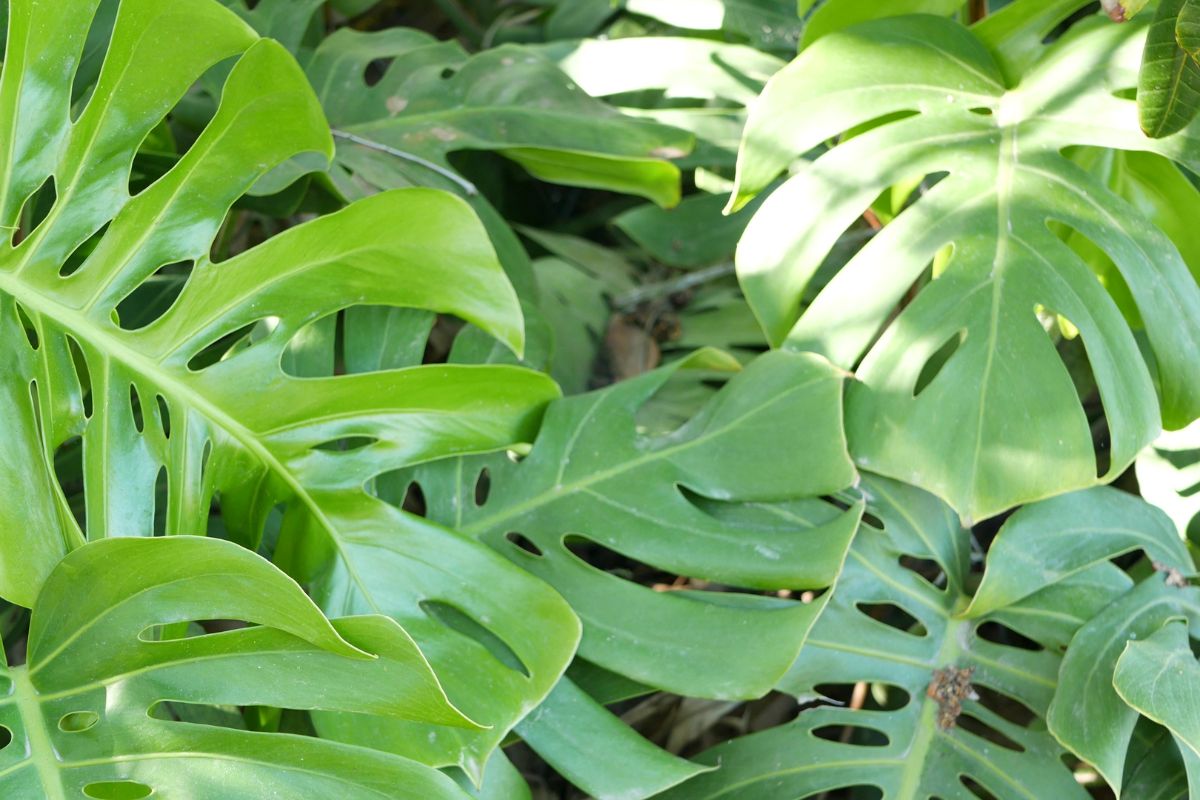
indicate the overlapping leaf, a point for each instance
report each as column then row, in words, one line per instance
column 434, row 100
column 940, row 102
column 242, row 430
column 91, row 712
column 901, row 629
column 701, row 502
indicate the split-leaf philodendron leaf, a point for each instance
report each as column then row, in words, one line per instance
column 228, row 422
column 952, row 700
column 1001, row 422
column 94, row 706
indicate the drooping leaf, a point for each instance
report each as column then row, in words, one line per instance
column 1159, row 677
column 956, row 704
column 569, row 728
column 970, row 433
column 91, row 707
column 1088, row 715
column 1168, row 91
column 1044, row 543
column 228, row 422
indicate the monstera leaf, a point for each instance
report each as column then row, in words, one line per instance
column 961, row 702
column 698, row 502
column 96, row 709
column 988, row 111
column 434, row 100
column 228, row 422
column 1158, row 677
column 697, row 85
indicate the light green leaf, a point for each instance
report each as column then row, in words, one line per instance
column 434, row 100
column 701, row 502
column 697, row 85
column 226, row 421
column 968, row 434
column 569, row 728
column 890, row 626
column 86, row 709
column 1169, row 84
column 1087, row 714
column 835, row 15
column 1159, row 677
column 1043, row 543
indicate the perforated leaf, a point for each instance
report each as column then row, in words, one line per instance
column 93, row 708
column 940, row 104
column 961, row 701
column 229, row 421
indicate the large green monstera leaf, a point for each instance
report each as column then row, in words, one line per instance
column 101, row 707
column 434, row 100
column 988, row 111
column 197, row 402
column 699, row 502
column 963, row 688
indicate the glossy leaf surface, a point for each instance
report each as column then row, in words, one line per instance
column 940, row 104
column 93, row 705
column 896, row 629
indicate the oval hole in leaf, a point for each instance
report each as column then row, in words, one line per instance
column 981, row 729
column 940, row 358
column 80, row 254
column 1002, row 634
column 859, row 735
column 976, row 789
column 117, row 790
column 894, row 616
column 173, row 631
column 1004, row 706
column 523, row 542
column 882, row 696
column 78, row 721
column 483, row 487
column 153, row 296
column 164, row 415
column 928, row 570
column 34, row 210
column 347, row 443
column 375, row 70
column 6, row 737
column 27, row 324
column 455, row 619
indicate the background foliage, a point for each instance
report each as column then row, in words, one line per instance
column 599, row 398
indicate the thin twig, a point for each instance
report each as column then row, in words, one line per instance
column 458, row 180
column 636, row 296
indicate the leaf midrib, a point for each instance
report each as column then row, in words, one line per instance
column 559, row 490
column 112, row 347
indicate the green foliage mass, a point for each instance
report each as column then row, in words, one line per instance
column 626, row 399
